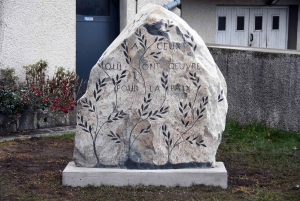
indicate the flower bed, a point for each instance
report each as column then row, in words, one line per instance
column 40, row 101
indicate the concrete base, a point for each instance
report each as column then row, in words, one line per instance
column 80, row 176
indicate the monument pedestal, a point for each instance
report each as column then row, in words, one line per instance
column 81, row 176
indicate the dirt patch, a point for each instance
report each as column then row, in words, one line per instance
column 33, row 165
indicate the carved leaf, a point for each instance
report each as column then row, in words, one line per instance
column 123, row 46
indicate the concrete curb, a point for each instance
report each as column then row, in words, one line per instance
column 56, row 131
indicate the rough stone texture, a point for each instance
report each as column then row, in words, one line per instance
column 79, row 176
column 128, row 9
column 155, row 99
column 31, row 30
column 263, row 87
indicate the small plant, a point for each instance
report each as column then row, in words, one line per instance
column 58, row 93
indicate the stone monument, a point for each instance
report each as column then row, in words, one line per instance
column 156, row 101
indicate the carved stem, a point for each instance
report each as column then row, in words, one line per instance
column 140, row 65
column 164, row 99
column 192, row 109
column 176, row 143
column 131, row 135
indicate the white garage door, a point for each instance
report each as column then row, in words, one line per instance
column 256, row 27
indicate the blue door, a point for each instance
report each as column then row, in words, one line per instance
column 97, row 25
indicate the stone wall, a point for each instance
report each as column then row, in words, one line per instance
column 263, row 86
column 31, row 119
column 31, row 30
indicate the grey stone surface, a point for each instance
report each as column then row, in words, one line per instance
column 155, row 99
column 263, row 85
column 80, row 176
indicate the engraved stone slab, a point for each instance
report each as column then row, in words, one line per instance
column 155, row 99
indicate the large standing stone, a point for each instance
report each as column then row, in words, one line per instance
column 155, row 99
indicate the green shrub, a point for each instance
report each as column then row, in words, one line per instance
column 14, row 97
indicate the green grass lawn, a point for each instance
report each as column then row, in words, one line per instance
column 262, row 164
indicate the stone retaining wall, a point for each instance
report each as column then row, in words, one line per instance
column 263, row 86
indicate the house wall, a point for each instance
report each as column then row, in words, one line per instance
column 130, row 7
column 268, row 92
column 201, row 15
column 31, row 30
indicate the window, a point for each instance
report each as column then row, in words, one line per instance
column 275, row 24
column 258, row 22
column 93, row 7
column 240, row 23
column 222, row 24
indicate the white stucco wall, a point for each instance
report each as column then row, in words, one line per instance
column 133, row 6
column 201, row 15
column 31, row 30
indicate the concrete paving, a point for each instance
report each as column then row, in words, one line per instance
column 56, row 131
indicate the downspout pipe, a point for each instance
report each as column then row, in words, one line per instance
column 172, row 5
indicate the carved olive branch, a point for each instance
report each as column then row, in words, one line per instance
column 152, row 115
column 196, row 80
column 200, row 111
column 164, row 84
column 115, row 137
column 117, row 81
column 142, row 57
column 220, row 97
column 128, row 59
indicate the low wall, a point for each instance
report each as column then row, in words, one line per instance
column 263, row 85
column 31, row 119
